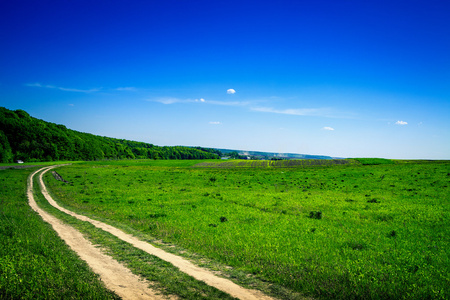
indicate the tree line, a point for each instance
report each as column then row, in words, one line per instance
column 29, row 139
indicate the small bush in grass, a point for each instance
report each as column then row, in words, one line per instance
column 357, row 245
column 393, row 233
column 315, row 215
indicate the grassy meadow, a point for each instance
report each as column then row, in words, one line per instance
column 34, row 262
column 363, row 229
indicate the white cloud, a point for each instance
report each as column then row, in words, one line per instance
column 127, row 89
column 328, row 128
column 172, row 100
column 325, row 112
column 48, row 86
column 214, row 123
column 33, row 84
column 76, row 90
column 401, row 123
column 291, row 111
column 71, row 104
column 231, row 91
column 226, row 103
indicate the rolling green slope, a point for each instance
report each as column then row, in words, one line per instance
column 25, row 138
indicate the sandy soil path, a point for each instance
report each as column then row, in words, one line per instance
column 184, row 265
column 115, row 276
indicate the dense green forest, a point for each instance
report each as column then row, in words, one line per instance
column 25, row 138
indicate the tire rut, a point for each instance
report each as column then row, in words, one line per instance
column 184, row 265
column 115, row 276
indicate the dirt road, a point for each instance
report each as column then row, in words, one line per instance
column 115, row 276
column 184, row 265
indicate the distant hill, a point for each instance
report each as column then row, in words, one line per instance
column 271, row 155
column 25, row 138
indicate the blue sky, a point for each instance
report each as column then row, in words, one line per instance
column 338, row 78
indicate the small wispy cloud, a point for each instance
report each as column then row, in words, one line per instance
column 126, row 89
column 291, row 111
column 71, row 104
column 48, row 86
column 214, row 123
column 231, row 91
column 172, row 100
column 325, row 112
column 401, row 123
column 229, row 103
column 251, row 105
column 168, row 100
column 34, row 84
column 328, row 128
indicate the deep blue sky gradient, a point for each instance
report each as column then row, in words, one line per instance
column 340, row 78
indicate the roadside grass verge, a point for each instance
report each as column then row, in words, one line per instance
column 34, row 262
column 336, row 232
column 164, row 277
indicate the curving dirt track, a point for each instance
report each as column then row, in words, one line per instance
column 184, row 265
column 115, row 276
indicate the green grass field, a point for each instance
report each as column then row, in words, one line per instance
column 34, row 262
column 359, row 230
